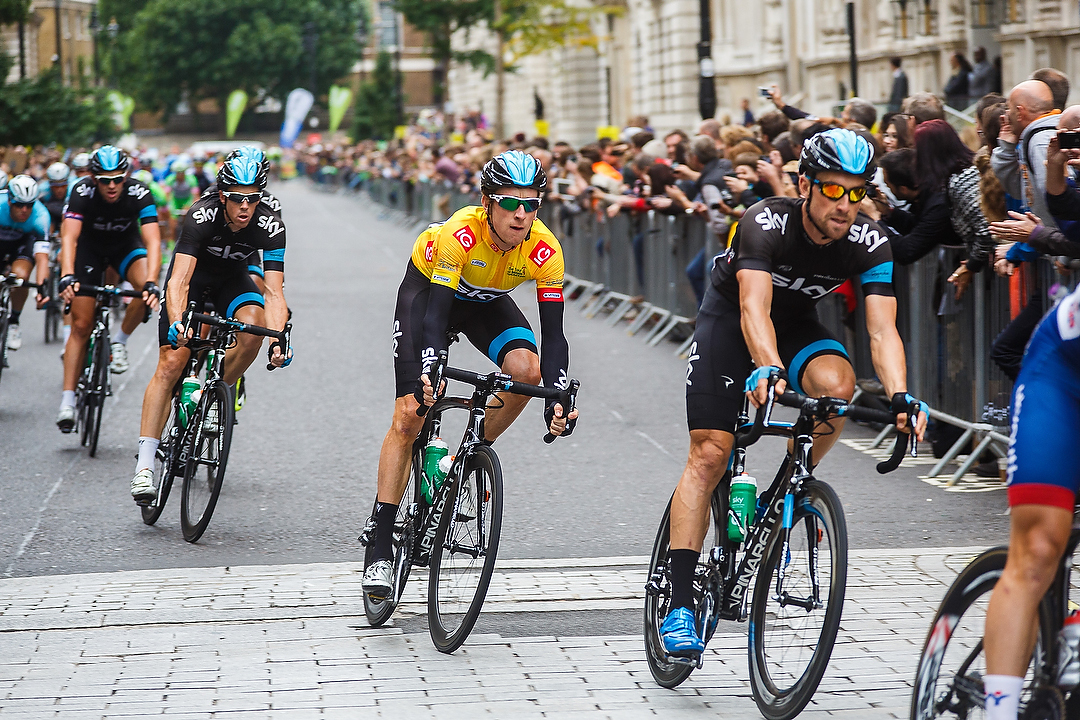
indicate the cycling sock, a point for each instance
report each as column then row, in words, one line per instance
column 682, row 564
column 1002, row 696
column 13, row 319
column 147, row 449
column 385, row 515
column 67, row 398
column 121, row 337
column 67, row 333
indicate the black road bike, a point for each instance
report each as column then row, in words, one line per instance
column 949, row 679
column 196, row 445
column 8, row 283
column 93, row 385
column 54, row 307
column 796, row 546
column 456, row 536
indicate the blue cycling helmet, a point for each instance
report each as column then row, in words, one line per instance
column 250, row 151
column 512, row 168
column 109, row 159
column 239, row 169
column 838, row 150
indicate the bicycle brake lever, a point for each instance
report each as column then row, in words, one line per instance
column 568, row 399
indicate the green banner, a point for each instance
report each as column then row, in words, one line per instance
column 340, row 97
column 234, row 108
column 122, row 106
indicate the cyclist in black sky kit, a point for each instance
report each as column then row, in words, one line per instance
column 758, row 317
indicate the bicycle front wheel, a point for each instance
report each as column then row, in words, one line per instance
column 208, row 452
column 949, row 678
column 99, row 390
column 166, row 465
column 463, row 555
column 798, row 599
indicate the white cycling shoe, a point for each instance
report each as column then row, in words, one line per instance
column 378, row 580
column 14, row 337
column 66, row 419
column 119, row 362
column 142, row 487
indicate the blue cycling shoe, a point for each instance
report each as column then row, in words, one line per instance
column 679, row 634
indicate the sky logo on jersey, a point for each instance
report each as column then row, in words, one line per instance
column 549, row 295
column 799, row 285
column 138, row 191
column 466, row 238
column 865, row 235
column 203, row 215
column 769, row 220
column 228, row 253
column 85, row 190
column 272, row 226
column 541, row 253
column 429, row 251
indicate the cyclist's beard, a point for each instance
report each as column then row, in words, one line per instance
column 817, row 226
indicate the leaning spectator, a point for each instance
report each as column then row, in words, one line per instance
column 747, row 187
column 711, row 127
column 894, row 133
column 1057, row 81
column 772, row 124
column 927, row 224
column 1019, row 161
column 860, row 111
column 923, row 106
column 792, row 112
column 732, row 135
column 713, row 194
column 993, row 199
column 957, row 89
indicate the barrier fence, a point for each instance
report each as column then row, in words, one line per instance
column 947, row 341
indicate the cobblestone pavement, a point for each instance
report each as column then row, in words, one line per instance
column 291, row 641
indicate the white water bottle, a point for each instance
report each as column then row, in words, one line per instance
column 1069, row 652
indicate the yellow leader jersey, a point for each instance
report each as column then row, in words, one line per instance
column 460, row 254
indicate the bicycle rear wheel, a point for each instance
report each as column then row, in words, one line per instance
column 379, row 611
column 98, row 391
column 463, row 555
column 208, row 452
column 793, row 627
column 658, row 593
column 166, row 465
column 949, row 678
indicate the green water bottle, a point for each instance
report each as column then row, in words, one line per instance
column 431, row 479
column 741, row 504
column 190, row 392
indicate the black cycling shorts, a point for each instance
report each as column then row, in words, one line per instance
column 720, row 363
column 494, row 328
column 94, row 255
column 228, row 293
column 16, row 250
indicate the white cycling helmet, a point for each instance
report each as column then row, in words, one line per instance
column 180, row 165
column 81, row 161
column 3, row 181
column 23, row 189
column 58, row 172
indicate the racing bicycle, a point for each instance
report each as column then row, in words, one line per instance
column 949, row 678
column 195, row 445
column 93, row 385
column 456, row 535
column 796, row 547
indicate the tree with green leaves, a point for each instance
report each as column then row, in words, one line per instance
column 43, row 110
column 375, row 113
column 169, row 51
column 439, row 20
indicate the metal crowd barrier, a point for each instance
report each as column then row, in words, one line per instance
column 947, row 342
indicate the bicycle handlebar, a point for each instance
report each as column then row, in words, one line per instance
column 282, row 336
column 499, row 381
column 824, row 407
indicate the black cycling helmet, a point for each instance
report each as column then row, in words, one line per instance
column 109, row 159
column 512, row 168
column 240, row 169
column 838, row 150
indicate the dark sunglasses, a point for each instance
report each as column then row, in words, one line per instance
column 512, row 203
column 110, row 179
column 241, row 198
column 835, row 191
column 21, row 204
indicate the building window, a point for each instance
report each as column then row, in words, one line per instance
column 903, row 19
column 388, row 27
column 926, row 18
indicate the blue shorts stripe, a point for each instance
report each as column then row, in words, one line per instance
column 804, row 355
column 126, row 262
column 500, row 341
column 256, row 270
column 244, row 299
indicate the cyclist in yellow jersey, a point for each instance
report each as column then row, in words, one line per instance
column 459, row 278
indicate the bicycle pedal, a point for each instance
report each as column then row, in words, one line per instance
column 693, row 661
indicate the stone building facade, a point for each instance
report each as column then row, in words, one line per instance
column 73, row 46
column 646, row 61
